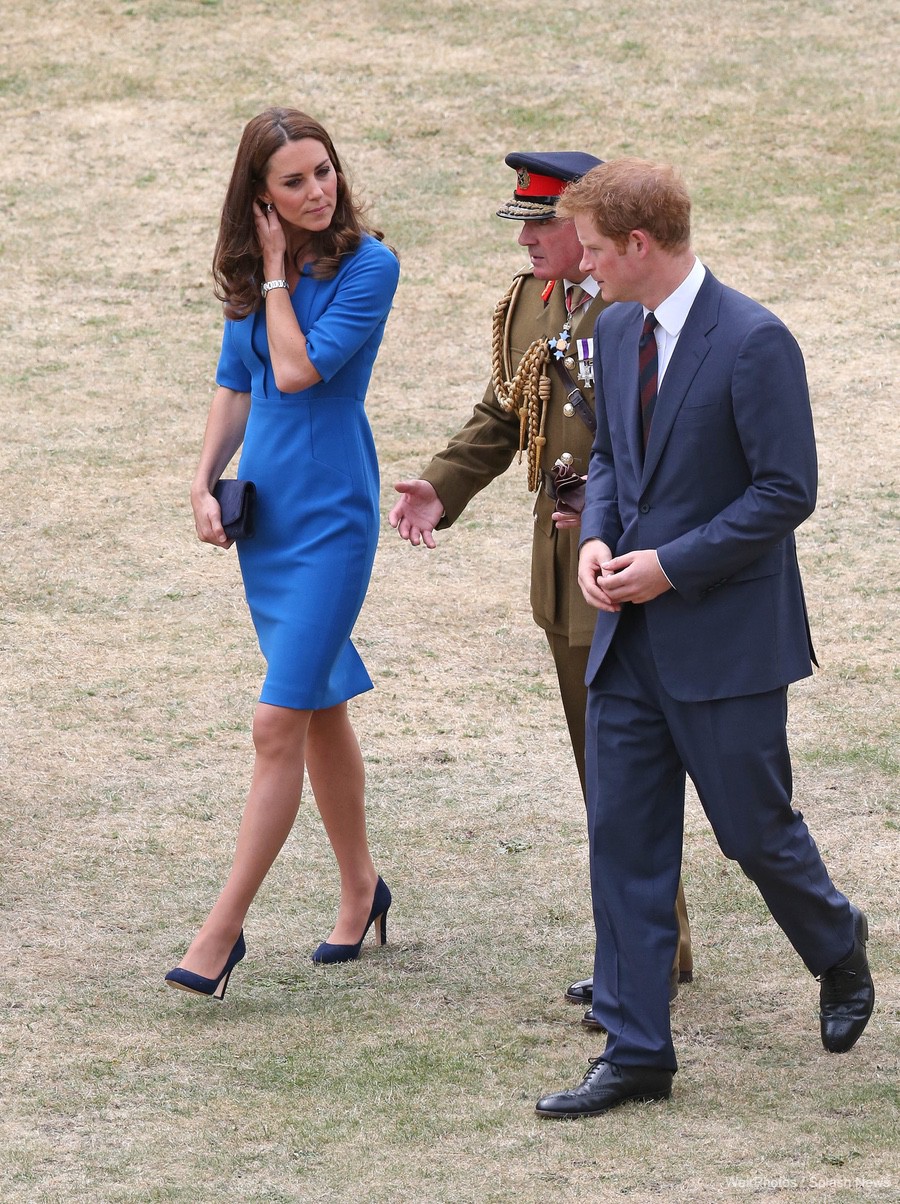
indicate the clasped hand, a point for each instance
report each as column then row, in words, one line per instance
column 607, row 581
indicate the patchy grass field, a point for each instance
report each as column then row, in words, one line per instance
column 130, row 669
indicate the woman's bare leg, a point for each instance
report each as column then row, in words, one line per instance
column 280, row 737
column 337, row 776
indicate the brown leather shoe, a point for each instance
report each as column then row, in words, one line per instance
column 605, row 1086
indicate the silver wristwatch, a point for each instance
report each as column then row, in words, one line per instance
column 270, row 284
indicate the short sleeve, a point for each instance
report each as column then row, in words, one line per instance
column 232, row 372
column 362, row 300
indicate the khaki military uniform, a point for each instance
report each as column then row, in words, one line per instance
column 485, row 447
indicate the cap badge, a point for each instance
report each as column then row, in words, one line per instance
column 523, row 179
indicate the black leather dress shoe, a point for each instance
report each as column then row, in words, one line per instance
column 589, row 1020
column 605, row 1086
column 847, row 994
column 581, row 992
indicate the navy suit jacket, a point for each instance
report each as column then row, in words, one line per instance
column 729, row 473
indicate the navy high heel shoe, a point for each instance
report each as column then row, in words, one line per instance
column 185, row 980
column 328, row 954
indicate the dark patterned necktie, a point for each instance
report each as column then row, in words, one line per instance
column 575, row 298
column 648, row 371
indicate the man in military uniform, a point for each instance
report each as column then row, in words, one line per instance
column 539, row 402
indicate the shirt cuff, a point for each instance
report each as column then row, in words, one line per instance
column 662, row 570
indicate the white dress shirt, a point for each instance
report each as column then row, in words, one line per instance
column 671, row 316
column 589, row 284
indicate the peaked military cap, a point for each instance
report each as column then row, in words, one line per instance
column 540, row 178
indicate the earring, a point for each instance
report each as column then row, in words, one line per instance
column 269, row 207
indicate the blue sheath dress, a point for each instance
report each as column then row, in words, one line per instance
column 312, row 458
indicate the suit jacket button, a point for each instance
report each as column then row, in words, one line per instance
column 645, row 509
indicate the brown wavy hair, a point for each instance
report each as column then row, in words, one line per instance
column 628, row 194
column 237, row 259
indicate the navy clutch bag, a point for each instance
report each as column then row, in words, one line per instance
column 237, row 501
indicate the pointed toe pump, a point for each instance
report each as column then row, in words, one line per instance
column 329, row 954
column 185, row 980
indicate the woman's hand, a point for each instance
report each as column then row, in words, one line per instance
column 272, row 242
column 225, row 426
column 208, row 519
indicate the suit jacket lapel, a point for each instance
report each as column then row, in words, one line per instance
column 690, row 351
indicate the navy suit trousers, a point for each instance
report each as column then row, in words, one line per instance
column 640, row 743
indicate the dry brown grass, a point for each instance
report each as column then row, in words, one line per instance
column 131, row 673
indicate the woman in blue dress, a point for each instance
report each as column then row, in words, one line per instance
column 307, row 287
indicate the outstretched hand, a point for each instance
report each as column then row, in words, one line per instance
column 416, row 514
